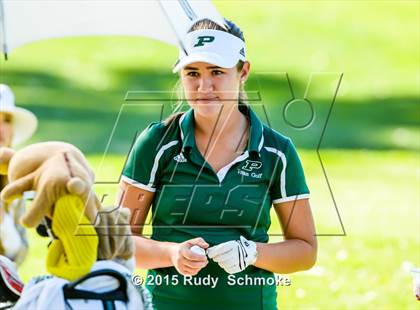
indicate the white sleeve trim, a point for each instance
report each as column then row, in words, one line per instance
column 137, row 184
column 291, row 198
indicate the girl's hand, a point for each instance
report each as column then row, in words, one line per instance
column 186, row 261
column 234, row 256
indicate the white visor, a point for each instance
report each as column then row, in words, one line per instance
column 216, row 47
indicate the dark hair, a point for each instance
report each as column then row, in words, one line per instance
column 233, row 29
column 209, row 24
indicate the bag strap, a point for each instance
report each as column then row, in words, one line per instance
column 119, row 294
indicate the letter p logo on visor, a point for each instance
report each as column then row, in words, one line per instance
column 215, row 47
column 203, row 40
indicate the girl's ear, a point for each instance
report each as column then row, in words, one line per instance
column 245, row 71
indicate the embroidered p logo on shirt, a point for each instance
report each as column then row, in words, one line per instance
column 252, row 165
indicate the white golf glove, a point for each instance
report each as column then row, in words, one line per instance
column 234, row 256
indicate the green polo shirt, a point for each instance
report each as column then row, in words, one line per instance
column 192, row 200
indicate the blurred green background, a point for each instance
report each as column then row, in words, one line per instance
column 370, row 150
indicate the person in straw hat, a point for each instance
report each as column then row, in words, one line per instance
column 17, row 125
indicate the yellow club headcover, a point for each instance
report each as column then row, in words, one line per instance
column 3, row 169
column 75, row 250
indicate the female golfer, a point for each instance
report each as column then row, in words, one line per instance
column 16, row 126
column 211, row 175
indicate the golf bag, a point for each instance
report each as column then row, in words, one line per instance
column 10, row 284
column 108, row 286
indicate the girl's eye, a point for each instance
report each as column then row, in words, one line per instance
column 217, row 72
column 192, row 73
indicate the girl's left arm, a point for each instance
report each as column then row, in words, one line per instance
column 298, row 251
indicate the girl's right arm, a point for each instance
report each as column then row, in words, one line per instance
column 152, row 254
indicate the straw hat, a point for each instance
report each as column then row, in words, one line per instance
column 24, row 121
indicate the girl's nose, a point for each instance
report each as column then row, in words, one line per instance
column 205, row 85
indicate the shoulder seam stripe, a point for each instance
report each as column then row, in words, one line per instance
column 180, row 127
column 262, row 139
column 283, row 171
column 157, row 158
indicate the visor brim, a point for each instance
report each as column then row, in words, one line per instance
column 210, row 58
